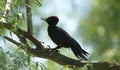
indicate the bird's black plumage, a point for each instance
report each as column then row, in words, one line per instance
column 63, row 39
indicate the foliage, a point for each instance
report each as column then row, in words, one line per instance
column 101, row 30
column 18, row 61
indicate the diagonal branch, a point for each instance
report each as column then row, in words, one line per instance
column 11, row 40
column 29, row 17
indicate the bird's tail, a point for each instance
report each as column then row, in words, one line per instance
column 79, row 52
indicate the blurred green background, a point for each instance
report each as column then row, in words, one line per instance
column 95, row 24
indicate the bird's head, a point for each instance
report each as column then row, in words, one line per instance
column 52, row 20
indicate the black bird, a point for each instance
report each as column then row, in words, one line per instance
column 63, row 39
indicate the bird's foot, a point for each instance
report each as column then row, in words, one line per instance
column 48, row 47
column 52, row 49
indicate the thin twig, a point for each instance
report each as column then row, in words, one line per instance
column 17, row 43
column 29, row 17
column 11, row 40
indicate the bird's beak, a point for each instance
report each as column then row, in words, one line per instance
column 43, row 19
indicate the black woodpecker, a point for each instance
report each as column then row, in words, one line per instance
column 62, row 39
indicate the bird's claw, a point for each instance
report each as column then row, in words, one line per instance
column 48, row 47
column 52, row 49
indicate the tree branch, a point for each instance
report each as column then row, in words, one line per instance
column 11, row 40
column 29, row 17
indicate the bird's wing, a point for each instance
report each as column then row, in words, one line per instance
column 59, row 36
column 64, row 35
